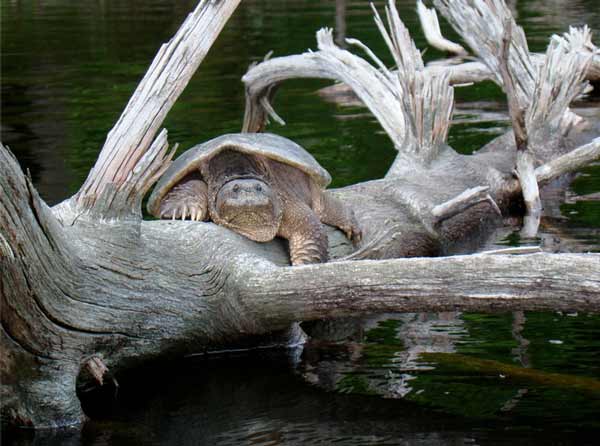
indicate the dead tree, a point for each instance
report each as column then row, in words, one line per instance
column 89, row 286
column 461, row 72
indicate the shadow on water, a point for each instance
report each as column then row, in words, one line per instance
column 68, row 69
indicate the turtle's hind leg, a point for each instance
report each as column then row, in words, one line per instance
column 335, row 213
column 187, row 199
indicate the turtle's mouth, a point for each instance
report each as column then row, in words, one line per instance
column 250, row 207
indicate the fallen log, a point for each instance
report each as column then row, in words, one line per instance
column 88, row 286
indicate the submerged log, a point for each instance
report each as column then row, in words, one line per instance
column 513, row 373
column 89, row 280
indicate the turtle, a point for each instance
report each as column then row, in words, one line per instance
column 259, row 185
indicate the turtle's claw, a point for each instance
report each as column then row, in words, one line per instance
column 352, row 229
column 184, row 210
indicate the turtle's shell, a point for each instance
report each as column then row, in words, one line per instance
column 268, row 145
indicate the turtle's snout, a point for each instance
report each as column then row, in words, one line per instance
column 250, row 207
column 245, row 194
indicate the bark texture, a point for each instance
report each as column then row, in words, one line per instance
column 87, row 286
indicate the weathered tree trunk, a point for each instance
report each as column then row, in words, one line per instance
column 88, row 285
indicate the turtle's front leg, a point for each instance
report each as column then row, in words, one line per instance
column 188, row 199
column 305, row 234
column 336, row 213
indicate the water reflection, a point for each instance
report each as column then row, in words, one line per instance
column 487, row 367
column 384, row 354
column 253, row 399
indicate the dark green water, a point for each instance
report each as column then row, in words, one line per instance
column 68, row 69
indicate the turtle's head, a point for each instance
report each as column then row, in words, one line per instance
column 250, row 207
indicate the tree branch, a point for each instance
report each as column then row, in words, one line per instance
column 464, row 201
column 537, row 102
column 525, row 156
column 560, row 80
column 414, row 109
column 515, row 110
column 481, row 23
column 128, row 147
column 431, row 28
column 569, row 162
column 375, row 88
column 460, row 283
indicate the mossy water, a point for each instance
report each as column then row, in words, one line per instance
column 68, row 70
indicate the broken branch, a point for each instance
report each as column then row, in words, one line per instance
column 131, row 138
column 569, row 162
column 464, row 201
column 431, row 28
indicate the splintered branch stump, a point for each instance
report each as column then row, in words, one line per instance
column 89, row 287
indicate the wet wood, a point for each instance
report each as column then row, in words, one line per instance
column 96, row 367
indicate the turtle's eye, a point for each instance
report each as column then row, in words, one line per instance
column 236, row 188
column 258, row 188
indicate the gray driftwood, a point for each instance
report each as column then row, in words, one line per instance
column 460, row 72
column 89, row 287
